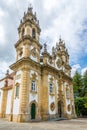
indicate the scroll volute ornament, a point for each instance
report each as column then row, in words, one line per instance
column 33, row 52
column 50, row 61
column 34, row 76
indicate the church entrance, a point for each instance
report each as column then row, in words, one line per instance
column 60, row 108
column 33, row 110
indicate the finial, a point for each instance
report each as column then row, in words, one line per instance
column 66, row 50
column 45, row 47
column 7, row 72
column 64, row 43
column 21, row 21
column 53, row 50
column 60, row 38
column 30, row 8
column 24, row 13
column 35, row 14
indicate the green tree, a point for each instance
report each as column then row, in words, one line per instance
column 77, row 85
column 84, row 80
column 81, row 106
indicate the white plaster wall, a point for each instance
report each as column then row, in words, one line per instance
column 1, row 92
column 68, row 103
column 16, row 106
column 33, row 97
column 51, row 100
column 8, row 105
column 18, row 73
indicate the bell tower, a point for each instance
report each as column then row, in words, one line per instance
column 27, row 64
column 29, row 32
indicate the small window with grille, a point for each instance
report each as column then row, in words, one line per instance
column 51, row 88
column 33, row 33
column 33, row 86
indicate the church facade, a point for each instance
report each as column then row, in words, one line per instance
column 40, row 87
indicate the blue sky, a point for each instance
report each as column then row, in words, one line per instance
column 67, row 18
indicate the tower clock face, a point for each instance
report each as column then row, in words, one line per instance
column 59, row 63
column 34, row 53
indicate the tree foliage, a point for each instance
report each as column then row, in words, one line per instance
column 77, row 84
column 81, row 106
column 80, row 93
column 84, row 80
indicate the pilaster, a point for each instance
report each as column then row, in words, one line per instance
column 45, row 103
column 39, row 96
column 24, row 96
column 3, row 105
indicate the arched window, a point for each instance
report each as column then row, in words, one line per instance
column 67, row 93
column 68, row 107
column 50, row 88
column 23, row 31
column 33, row 33
column 17, row 90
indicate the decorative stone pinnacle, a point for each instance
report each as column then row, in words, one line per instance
column 24, row 13
column 35, row 14
column 21, row 21
column 60, row 39
column 30, row 8
column 45, row 47
column 53, row 50
column 7, row 72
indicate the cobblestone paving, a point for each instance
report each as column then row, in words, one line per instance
column 74, row 124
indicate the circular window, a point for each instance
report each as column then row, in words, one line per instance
column 68, row 107
column 52, row 106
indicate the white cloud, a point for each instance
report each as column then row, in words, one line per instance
column 2, row 35
column 3, row 67
column 2, row 13
column 59, row 17
column 83, row 70
column 49, row 5
column 74, row 69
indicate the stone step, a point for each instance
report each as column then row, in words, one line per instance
column 58, row 119
column 35, row 120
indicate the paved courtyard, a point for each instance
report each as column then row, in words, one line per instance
column 74, row 124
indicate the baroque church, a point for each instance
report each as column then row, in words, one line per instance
column 40, row 87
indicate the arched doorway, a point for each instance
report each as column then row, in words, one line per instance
column 59, row 108
column 33, row 110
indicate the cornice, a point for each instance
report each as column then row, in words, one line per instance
column 53, row 70
column 24, row 63
column 27, row 37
